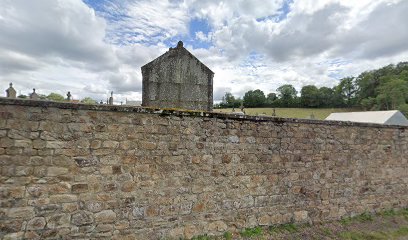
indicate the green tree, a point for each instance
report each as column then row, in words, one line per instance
column 368, row 103
column 287, row 95
column 404, row 109
column 229, row 101
column 310, row 96
column 270, row 99
column 347, row 89
column 88, row 100
column 326, row 97
column 371, row 86
column 255, row 98
column 55, row 97
column 392, row 94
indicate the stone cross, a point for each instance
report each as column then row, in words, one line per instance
column 69, row 96
column 11, row 92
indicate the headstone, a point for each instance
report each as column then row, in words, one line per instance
column 111, row 99
column 11, row 92
column 34, row 95
column 69, row 96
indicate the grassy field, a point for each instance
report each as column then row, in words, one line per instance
column 319, row 113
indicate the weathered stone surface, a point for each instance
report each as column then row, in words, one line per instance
column 63, row 198
column 14, row 236
column 177, row 79
column 86, row 162
column 36, row 191
column 81, row 218
column 217, row 226
column 94, row 206
column 144, row 175
column 58, row 221
column 301, row 216
column 21, row 212
column 36, row 223
column 79, row 188
column 56, row 171
column 45, row 210
column 106, row 216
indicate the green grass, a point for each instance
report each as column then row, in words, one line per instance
column 227, row 235
column 327, row 231
column 201, row 237
column 252, row 232
column 375, row 235
column 319, row 113
column 364, row 217
column 288, row 227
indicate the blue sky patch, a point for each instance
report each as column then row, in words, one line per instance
column 282, row 13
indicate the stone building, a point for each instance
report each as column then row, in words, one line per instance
column 177, row 79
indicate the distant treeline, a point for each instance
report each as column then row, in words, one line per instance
column 382, row 89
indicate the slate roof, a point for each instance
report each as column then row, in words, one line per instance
column 393, row 117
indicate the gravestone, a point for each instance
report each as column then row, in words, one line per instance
column 11, row 92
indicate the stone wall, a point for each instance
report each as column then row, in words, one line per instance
column 89, row 171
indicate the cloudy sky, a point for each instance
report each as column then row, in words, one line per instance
column 92, row 47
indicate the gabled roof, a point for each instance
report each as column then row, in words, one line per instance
column 393, row 117
column 179, row 49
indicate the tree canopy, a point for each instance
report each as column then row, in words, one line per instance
column 88, row 100
column 55, row 97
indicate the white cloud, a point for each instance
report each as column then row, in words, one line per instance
column 60, row 46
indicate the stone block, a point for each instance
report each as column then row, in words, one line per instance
column 82, row 218
column 45, row 210
column 56, row 171
column 110, row 144
column 104, row 228
column 21, row 212
column 14, row 236
column 148, row 145
column 217, row 226
column 264, row 220
column 37, row 191
column 86, row 162
column 36, row 223
column 106, row 216
column 58, row 188
column 63, row 198
column 301, row 216
column 95, row 144
column 79, row 188
column 59, row 220
column 23, row 171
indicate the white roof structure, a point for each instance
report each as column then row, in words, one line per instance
column 393, row 117
column 133, row 103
